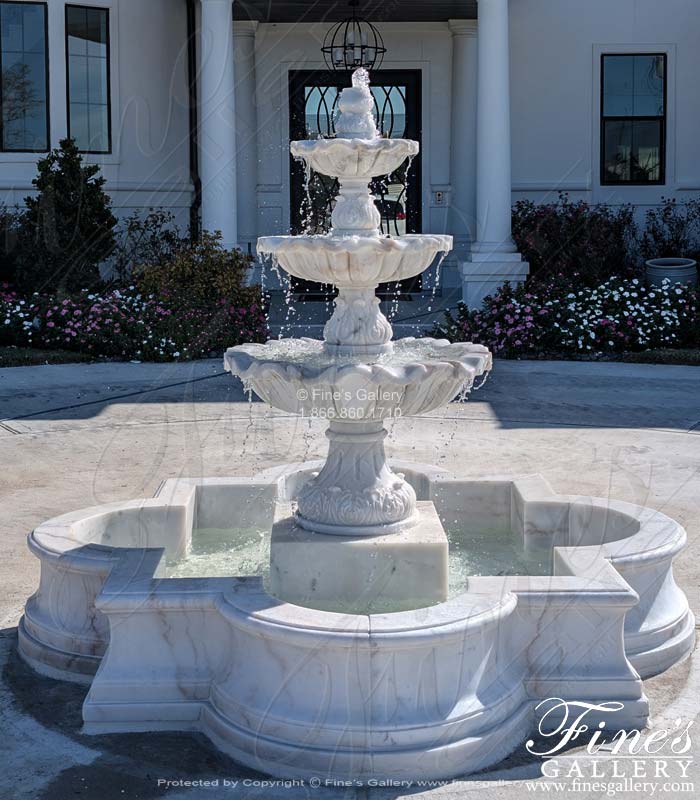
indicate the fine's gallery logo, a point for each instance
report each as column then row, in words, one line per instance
column 564, row 721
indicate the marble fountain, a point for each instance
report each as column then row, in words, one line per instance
column 357, row 618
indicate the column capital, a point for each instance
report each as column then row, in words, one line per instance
column 463, row 27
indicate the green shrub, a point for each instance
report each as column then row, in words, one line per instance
column 9, row 223
column 672, row 230
column 67, row 229
column 200, row 273
column 143, row 241
column 575, row 241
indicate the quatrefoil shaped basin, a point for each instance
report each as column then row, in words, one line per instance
column 355, row 262
column 300, row 377
column 355, row 158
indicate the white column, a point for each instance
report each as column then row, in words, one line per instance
column 463, row 136
column 217, row 136
column 493, row 258
column 246, row 133
column 493, row 170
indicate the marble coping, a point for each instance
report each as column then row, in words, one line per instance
column 605, row 554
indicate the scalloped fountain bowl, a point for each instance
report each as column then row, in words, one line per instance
column 355, row 158
column 300, row 377
column 355, row 261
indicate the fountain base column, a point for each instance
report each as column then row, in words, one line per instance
column 369, row 575
column 356, row 493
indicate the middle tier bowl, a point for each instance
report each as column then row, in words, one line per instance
column 355, row 262
column 354, row 158
column 300, row 377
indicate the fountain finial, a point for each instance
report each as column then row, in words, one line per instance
column 355, row 120
column 360, row 78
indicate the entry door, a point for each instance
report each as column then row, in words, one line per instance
column 313, row 98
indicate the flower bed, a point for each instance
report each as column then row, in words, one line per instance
column 619, row 315
column 125, row 323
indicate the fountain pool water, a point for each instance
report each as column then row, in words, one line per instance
column 357, row 618
column 220, row 552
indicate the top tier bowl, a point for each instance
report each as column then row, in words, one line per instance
column 348, row 159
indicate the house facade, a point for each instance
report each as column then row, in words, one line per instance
column 189, row 105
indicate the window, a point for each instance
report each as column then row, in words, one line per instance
column 24, row 121
column 87, row 51
column 633, row 119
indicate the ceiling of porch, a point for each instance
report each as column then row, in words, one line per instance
column 373, row 10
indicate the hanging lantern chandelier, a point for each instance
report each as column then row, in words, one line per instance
column 353, row 43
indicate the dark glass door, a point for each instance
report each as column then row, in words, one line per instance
column 313, row 100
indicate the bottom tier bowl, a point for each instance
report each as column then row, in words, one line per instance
column 300, row 376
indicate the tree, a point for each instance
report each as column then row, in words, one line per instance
column 68, row 228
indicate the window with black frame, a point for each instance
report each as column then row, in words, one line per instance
column 24, row 121
column 633, row 132
column 87, row 53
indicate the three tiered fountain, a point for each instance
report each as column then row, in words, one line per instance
column 358, row 540
column 358, row 619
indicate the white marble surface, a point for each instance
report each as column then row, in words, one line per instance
column 303, row 382
column 354, row 261
column 392, row 571
column 432, row 693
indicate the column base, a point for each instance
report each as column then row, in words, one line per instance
column 483, row 273
column 379, row 574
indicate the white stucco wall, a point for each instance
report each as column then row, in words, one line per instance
column 555, row 92
column 149, row 165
